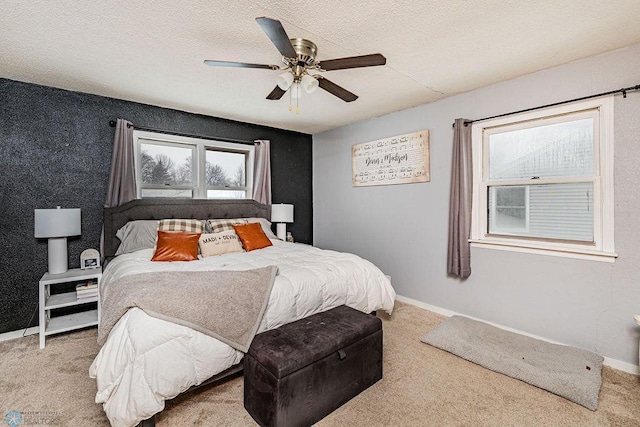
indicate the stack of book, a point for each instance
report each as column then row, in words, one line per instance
column 88, row 289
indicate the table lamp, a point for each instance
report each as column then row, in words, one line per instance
column 281, row 214
column 56, row 225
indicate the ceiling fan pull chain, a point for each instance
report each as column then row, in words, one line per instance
column 290, row 101
column 297, row 109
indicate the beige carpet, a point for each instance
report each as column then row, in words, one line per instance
column 421, row 386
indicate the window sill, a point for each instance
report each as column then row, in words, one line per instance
column 564, row 252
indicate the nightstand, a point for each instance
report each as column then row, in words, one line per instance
column 68, row 322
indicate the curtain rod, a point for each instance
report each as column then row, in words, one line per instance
column 112, row 123
column 623, row 91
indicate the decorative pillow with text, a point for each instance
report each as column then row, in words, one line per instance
column 219, row 243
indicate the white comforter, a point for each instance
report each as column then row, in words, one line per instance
column 146, row 361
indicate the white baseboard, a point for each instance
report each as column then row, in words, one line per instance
column 614, row 363
column 622, row 366
column 18, row 334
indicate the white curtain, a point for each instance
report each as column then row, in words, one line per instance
column 459, row 250
column 262, row 172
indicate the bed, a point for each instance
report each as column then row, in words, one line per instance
column 147, row 360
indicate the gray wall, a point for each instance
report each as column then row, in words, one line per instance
column 403, row 228
column 55, row 149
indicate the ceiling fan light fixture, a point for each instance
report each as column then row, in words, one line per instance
column 299, row 57
column 284, row 80
column 309, row 83
column 296, row 91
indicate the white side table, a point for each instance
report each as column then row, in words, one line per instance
column 48, row 302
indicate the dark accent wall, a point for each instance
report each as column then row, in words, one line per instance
column 55, row 150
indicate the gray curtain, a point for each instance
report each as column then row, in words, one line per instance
column 262, row 172
column 458, row 254
column 122, row 181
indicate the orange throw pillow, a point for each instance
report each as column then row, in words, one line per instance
column 176, row 246
column 252, row 236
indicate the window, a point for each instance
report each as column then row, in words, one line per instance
column 177, row 166
column 225, row 174
column 543, row 181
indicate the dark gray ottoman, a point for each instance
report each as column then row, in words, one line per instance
column 299, row 373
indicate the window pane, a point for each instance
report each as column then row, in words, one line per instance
column 162, row 192
column 556, row 150
column 225, row 169
column 555, row 211
column 511, row 196
column 509, row 210
column 225, row 194
column 165, row 165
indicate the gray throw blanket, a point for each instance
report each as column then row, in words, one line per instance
column 227, row 305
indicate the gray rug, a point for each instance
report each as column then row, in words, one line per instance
column 569, row 372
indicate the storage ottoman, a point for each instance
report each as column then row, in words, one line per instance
column 299, row 373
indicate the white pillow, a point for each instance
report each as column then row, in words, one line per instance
column 219, row 243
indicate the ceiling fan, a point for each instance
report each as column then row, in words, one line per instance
column 300, row 66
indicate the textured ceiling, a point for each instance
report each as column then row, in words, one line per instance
column 152, row 51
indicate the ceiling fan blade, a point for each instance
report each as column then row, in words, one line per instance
column 276, row 93
column 353, row 62
column 239, row 64
column 336, row 90
column 278, row 36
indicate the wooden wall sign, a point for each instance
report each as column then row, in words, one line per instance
column 400, row 159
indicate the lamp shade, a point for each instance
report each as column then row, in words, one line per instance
column 309, row 83
column 281, row 213
column 284, row 80
column 57, row 222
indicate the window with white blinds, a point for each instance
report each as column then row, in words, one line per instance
column 543, row 181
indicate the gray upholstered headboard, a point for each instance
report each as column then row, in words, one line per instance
column 115, row 218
